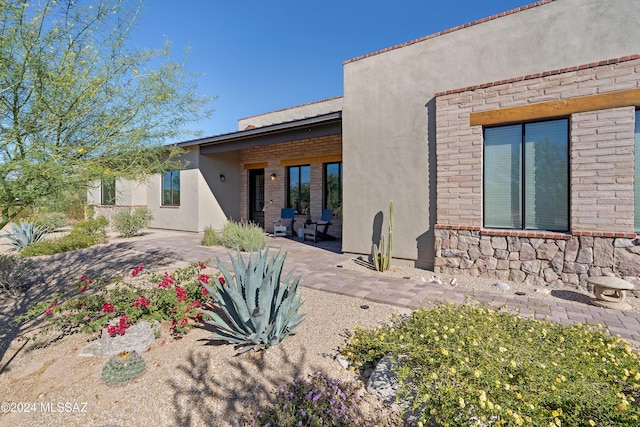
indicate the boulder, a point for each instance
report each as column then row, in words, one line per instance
column 138, row 337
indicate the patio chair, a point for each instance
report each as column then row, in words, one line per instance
column 284, row 225
column 319, row 229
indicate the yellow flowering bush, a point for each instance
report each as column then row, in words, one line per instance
column 472, row 365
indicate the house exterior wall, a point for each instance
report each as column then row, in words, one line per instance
column 204, row 199
column 389, row 109
column 304, row 111
column 219, row 201
column 314, row 151
column 601, row 238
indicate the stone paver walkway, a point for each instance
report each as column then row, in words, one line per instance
column 319, row 266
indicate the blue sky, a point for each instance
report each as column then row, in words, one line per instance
column 259, row 56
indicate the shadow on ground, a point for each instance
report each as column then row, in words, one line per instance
column 571, row 296
column 231, row 397
column 61, row 272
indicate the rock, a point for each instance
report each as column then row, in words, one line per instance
column 624, row 243
column 502, row 286
column 585, row 256
column 547, row 251
column 485, row 248
column 498, row 242
column 532, row 267
column 517, row 276
column 626, row 263
column 454, row 281
column 527, row 253
column 571, row 250
column 138, row 337
column 502, row 254
column 383, row 382
column 342, row 361
column 603, row 252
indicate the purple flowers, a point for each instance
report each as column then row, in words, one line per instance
column 317, row 400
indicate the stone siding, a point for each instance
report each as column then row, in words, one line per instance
column 539, row 261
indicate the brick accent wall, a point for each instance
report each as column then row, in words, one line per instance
column 601, row 181
column 275, row 191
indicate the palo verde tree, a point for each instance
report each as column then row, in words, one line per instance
column 78, row 103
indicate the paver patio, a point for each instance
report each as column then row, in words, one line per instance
column 319, row 266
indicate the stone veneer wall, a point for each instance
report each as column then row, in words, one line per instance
column 602, row 237
column 540, row 261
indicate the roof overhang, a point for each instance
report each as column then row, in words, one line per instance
column 313, row 127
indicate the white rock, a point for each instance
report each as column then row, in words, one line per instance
column 502, row 286
column 138, row 337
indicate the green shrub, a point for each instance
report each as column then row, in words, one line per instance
column 469, row 365
column 211, row 237
column 246, row 237
column 128, row 223
column 68, row 243
column 319, row 401
column 51, row 220
column 14, row 273
column 92, row 227
column 84, row 234
column 258, row 309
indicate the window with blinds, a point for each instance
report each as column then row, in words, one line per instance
column 526, row 176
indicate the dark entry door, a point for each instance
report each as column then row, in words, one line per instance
column 256, row 196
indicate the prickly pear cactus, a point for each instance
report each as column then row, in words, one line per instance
column 122, row 368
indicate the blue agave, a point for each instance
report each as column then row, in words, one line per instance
column 258, row 309
column 25, row 234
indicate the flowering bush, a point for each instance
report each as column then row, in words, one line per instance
column 469, row 365
column 318, row 401
column 177, row 298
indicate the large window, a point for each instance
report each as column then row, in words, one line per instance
column 171, row 188
column 299, row 188
column 108, row 191
column 333, row 186
column 636, row 186
column 526, row 176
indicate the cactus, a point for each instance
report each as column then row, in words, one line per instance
column 123, row 368
column 258, row 309
column 381, row 255
column 25, row 234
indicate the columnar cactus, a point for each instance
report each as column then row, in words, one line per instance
column 382, row 260
column 123, row 367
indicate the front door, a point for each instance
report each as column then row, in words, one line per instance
column 256, row 196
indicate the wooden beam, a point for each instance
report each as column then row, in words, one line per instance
column 565, row 107
column 261, row 165
column 308, row 160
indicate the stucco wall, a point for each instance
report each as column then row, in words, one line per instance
column 388, row 108
column 219, row 200
column 294, row 113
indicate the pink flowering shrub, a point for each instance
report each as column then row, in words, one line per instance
column 176, row 298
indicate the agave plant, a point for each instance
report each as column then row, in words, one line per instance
column 258, row 310
column 25, row 234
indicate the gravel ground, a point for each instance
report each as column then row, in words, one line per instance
column 189, row 381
